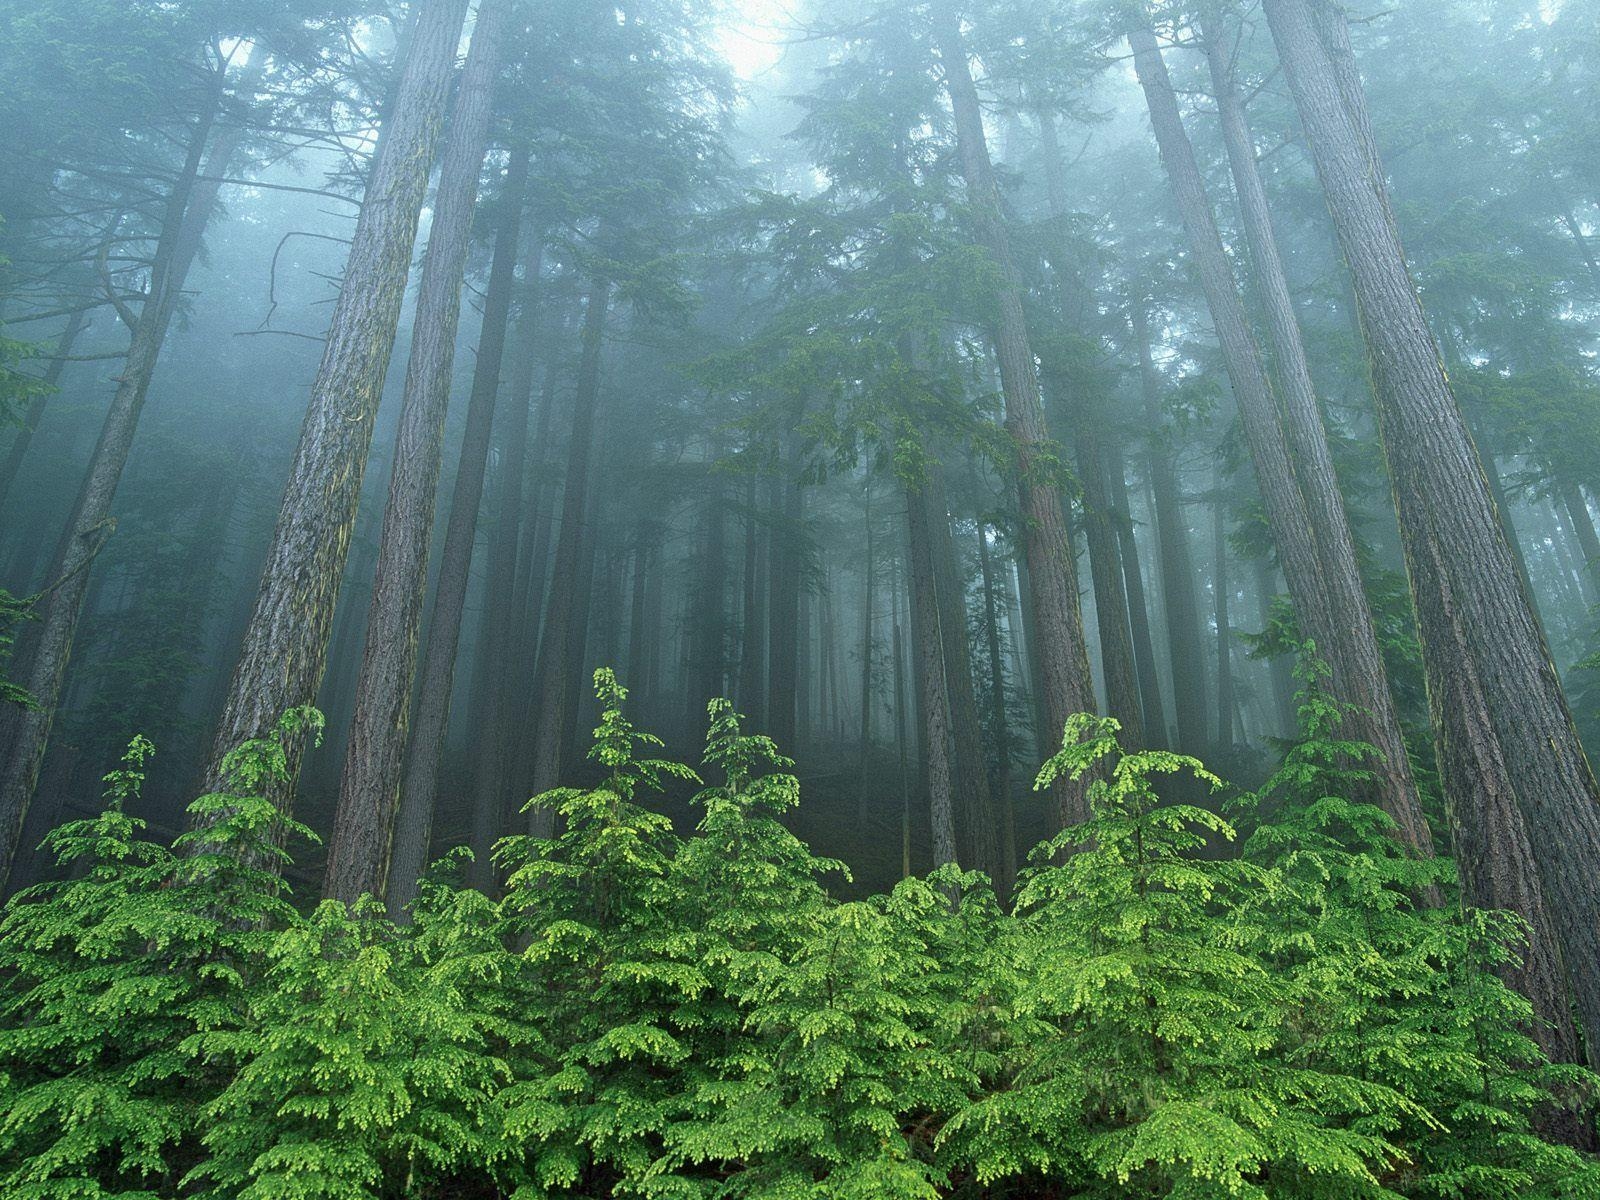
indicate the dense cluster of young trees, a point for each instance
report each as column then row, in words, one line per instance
column 970, row 365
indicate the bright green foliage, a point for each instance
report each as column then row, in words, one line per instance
column 1165, row 1012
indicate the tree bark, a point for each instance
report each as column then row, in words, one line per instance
column 1063, row 663
column 1000, row 786
column 286, row 644
column 933, row 702
column 363, row 823
column 1506, row 743
column 419, row 788
column 977, row 830
column 1358, row 675
column 1327, row 600
column 1220, row 588
column 1110, row 594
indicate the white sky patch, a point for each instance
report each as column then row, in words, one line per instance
column 752, row 35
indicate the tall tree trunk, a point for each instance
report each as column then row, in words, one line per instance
column 1355, row 662
column 1282, row 669
column 18, row 450
column 1110, row 594
column 1329, row 607
column 187, row 211
column 977, row 830
column 999, row 727
column 561, row 647
column 1144, row 653
column 363, row 823
column 1063, row 662
column 753, row 628
column 1577, row 510
column 867, row 630
column 1220, row 588
column 933, row 706
column 419, row 789
column 709, row 642
column 902, row 735
column 783, row 606
column 286, row 644
column 1521, row 794
column 1174, row 563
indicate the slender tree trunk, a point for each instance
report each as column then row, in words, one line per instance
column 977, row 830
column 363, row 824
column 707, row 665
column 998, row 724
column 561, row 648
column 902, row 735
column 1110, row 596
column 783, row 654
column 286, row 644
column 1522, row 797
column 188, row 209
column 938, row 749
column 1220, row 588
column 18, row 450
column 1144, row 654
column 1577, row 510
column 419, row 789
column 1175, row 565
column 1328, row 601
column 1283, row 686
column 867, row 630
column 753, row 633
column 1063, row 663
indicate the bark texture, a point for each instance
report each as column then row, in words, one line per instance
column 286, row 643
column 363, row 823
column 1506, row 744
column 1058, row 643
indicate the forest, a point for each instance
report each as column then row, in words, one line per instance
column 786, row 599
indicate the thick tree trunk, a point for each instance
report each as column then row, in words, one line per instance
column 1327, row 600
column 1358, row 675
column 363, row 824
column 1506, row 743
column 561, row 647
column 286, row 644
column 188, row 209
column 1063, row 663
column 1174, row 563
column 938, row 749
column 419, row 789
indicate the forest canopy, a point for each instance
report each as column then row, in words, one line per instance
column 680, row 598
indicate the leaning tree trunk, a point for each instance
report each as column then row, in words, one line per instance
column 188, row 209
column 286, row 643
column 419, row 789
column 1318, row 600
column 1063, row 662
column 1355, row 663
column 363, row 823
column 1506, row 743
